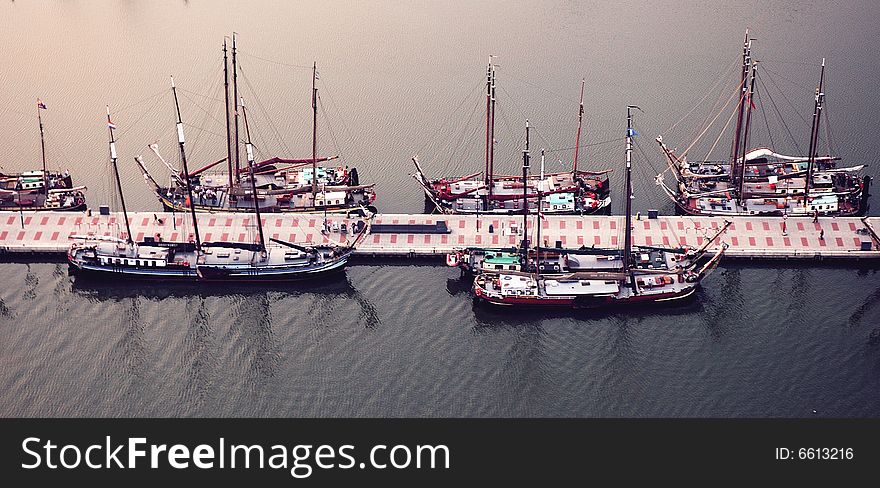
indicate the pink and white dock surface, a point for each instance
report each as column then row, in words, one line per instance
column 748, row 237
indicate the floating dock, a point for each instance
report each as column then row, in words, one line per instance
column 419, row 235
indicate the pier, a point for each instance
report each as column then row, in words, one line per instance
column 748, row 237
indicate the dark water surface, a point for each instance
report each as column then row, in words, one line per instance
column 404, row 78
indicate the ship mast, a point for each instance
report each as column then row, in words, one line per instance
column 539, row 223
column 525, row 210
column 182, row 143
column 814, row 132
column 747, row 131
column 487, row 174
column 737, row 167
column 627, row 240
column 235, row 111
column 492, row 141
column 250, row 160
column 228, row 129
column 314, row 133
column 43, row 147
column 577, row 139
column 118, row 181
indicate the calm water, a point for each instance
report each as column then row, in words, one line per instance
column 405, row 78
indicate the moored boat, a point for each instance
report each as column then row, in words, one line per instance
column 569, row 192
column 42, row 189
column 284, row 184
column 644, row 275
column 762, row 181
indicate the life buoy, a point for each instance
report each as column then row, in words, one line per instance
column 451, row 260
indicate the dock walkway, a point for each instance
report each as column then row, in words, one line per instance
column 749, row 237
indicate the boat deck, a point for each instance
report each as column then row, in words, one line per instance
column 749, row 237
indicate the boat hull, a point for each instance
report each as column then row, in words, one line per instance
column 170, row 206
column 271, row 273
column 573, row 302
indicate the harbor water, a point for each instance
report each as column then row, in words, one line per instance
column 398, row 79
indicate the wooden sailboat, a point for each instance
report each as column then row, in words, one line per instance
column 646, row 276
column 280, row 261
column 570, row 192
column 118, row 258
column 40, row 190
column 284, row 184
column 203, row 261
column 762, row 181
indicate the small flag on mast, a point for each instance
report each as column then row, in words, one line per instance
column 111, row 125
column 40, row 104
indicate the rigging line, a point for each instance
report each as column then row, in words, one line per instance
column 644, row 154
column 825, row 111
column 329, row 127
column 467, row 97
column 523, row 114
column 461, row 138
column 201, row 129
column 829, row 143
column 723, row 129
column 732, row 96
column 264, row 111
column 766, row 120
column 345, row 131
column 205, row 111
column 814, row 65
column 789, row 80
column 710, row 91
column 793, row 106
column 129, row 127
column 561, row 97
column 592, row 144
column 213, row 88
column 781, row 118
column 218, row 100
column 289, row 65
column 123, row 109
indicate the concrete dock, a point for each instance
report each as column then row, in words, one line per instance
column 749, row 237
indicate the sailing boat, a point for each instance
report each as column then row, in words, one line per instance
column 761, row 181
column 279, row 262
column 114, row 257
column 40, row 190
column 647, row 276
column 285, row 185
column 571, row 192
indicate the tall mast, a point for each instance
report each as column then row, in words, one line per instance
column 736, row 165
column 538, row 228
column 525, row 240
column 487, row 172
column 43, row 147
column 747, row 130
column 228, row 129
column 250, row 160
column 182, row 143
column 627, row 239
column 577, row 139
column 492, row 138
column 235, row 111
column 314, row 132
column 814, row 131
column 110, row 127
